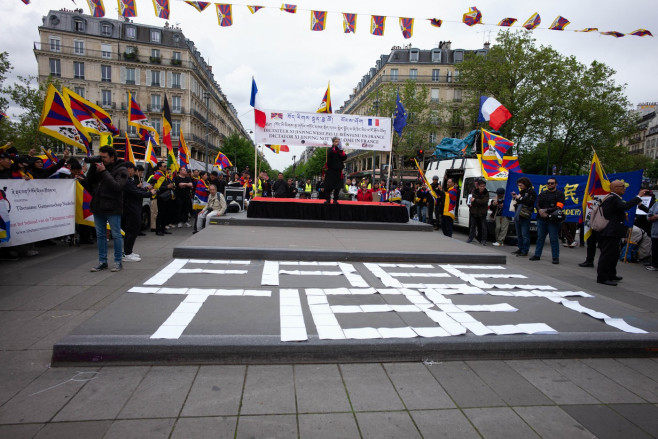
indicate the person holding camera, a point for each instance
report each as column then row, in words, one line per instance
column 106, row 178
column 549, row 205
column 333, row 177
column 525, row 204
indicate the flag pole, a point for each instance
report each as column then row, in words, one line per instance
column 390, row 159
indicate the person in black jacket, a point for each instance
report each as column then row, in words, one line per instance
column 280, row 187
column 614, row 210
column 131, row 220
column 106, row 181
column 526, row 197
column 333, row 177
column 548, row 202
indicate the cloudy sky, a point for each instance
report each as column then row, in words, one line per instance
column 292, row 65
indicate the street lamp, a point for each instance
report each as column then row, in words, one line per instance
column 206, row 97
column 294, row 176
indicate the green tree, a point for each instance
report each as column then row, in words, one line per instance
column 557, row 103
column 240, row 151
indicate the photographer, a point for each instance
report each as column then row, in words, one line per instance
column 106, row 179
column 548, row 202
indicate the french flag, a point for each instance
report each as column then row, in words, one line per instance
column 493, row 111
column 259, row 115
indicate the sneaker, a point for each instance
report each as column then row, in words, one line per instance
column 132, row 258
column 179, row 225
column 116, row 267
column 31, row 253
column 565, row 245
column 586, row 264
column 497, row 244
column 516, row 252
column 573, row 244
column 534, row 258
column 469, row 240
column 99, row 267
column 651, row 268
column 187, row 225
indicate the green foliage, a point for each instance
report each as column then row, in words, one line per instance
column 651, row 169
column 240, row 151
column 554, row 99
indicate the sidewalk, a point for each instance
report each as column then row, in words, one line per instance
column 44, row 298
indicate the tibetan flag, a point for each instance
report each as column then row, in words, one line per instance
column 224, row 14
column 199, row 6
column 57, row 121
column 276, row 116
column 559, row 23
column 318, row 20
column 597, row 188
column 424, row 177
column 472, row 17
column 149, row 155
column 137, row 118
column 494, row 146
column 436, row 22
column 450, row 204
column 259, row 115
column 96, row 8
column 222, row 161
column 172, row 163
column 254, row 9
column 532, row 22
column 492, row 169
column 641, row 33
column 127, row 8
column 407, row 27
column 349, row 23
column 400, row 116
column 377, row 25
column 511, row 163
column 183, row 152
column 27, row 2
column 83, row 214
column 589, row 29
column 493, row 112
column 161, row 8
column 277, row 148
column 325, row 106
column 128, row 155
column 49, row 159
column 83, row 118
column 200, row 195
column 3, row 115
column 613, row 33
column 100, row 114
column 507, row 22
column 289, row 8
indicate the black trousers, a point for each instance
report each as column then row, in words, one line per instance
column 591, row 246
column 332, row 183
column 607, row 267
column 478, row 227
column 131, row 223
column 446, row 225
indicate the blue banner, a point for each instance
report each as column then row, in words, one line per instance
column 573, row 187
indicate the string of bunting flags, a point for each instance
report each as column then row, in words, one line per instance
column 318, row 19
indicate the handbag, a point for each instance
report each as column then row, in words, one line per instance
column 525, row 212
column 165, row 195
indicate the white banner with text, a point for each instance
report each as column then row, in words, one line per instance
column 316, row 129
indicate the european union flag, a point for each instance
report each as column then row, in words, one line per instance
column 400, row 116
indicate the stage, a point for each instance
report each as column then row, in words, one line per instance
column 301, row 209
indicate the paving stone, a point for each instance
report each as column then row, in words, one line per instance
column 644, row 416
column 140, row 429
column 268, row 390
column 68, row 430
column 628, row 377
column 202, row 428
column 217, row 391
column 646, row 366
column 552, row 422
column 508, row 384
column 161, row 393
column 417, row 386
column 328, row 426
column 604, row 422
column 70, row 321
column 554, row 385
column 269, row 426
column 463, row 385
column 499, row 422
column 104, row 396
column 320, row 389
column 369, row 388
column 20, row 368
column 385, row 425
column 446, row 424
column 596, row 384
column 20, row 431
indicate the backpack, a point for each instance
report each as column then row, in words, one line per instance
column 597, row 221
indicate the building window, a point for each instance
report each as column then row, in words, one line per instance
column 175, row 128
column 456, row 75
column 394, row 74
column 155, row 53
column 433, row 138
column 130, row 50
column 435, row 95
column 128, row 93
column 157, row 124
column 176, row 56
column 413, row 55
column 436, row 75
column 155, row 36
column 79, row 47
column 106, row 30
column 132, row 130
column 106, row 98
column 106, row 51
column 55, row 67
column 79, row 70
column 436, row 56
column 176, row 104
column 155, row 78
column 130, row 76
column 55, row 44
column 155, row 103
column 413, row 74
column 434, row 117
column 459, row 56
column 131, row 32
column 80, row 91
column 458, row 95
column 456, row 134
column 106, row 73
column 79, row 25
column 175, row 80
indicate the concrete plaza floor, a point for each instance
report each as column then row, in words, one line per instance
column 44, row 298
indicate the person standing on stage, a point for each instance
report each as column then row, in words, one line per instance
column 333, row 178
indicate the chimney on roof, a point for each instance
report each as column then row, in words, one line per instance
column 487, row 45
column 446, row 45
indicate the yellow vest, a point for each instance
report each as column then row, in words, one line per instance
column 308, row 188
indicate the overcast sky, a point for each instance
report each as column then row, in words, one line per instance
column 292, row 64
